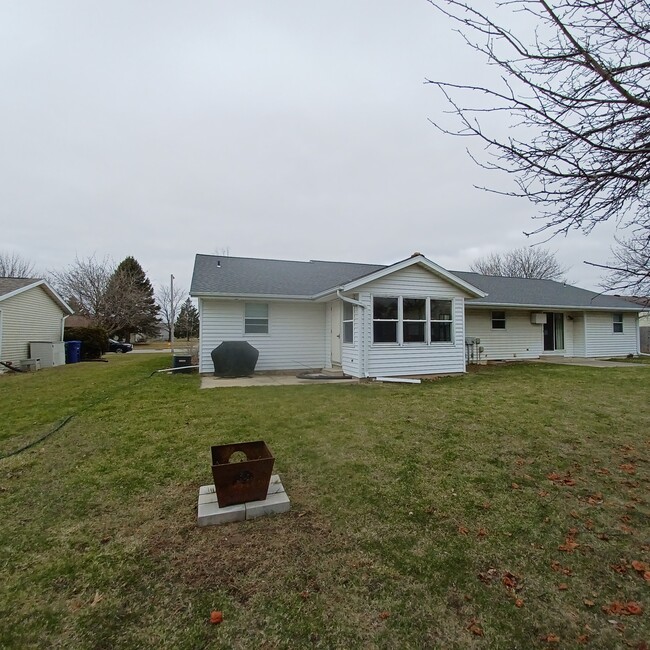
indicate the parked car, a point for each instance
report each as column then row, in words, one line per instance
column 117, row 346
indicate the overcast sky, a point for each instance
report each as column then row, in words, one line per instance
column 286, row 129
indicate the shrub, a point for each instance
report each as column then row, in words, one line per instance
column 94, row 340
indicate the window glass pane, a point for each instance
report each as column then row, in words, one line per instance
column 385, row 308
column 384, row 332
column 441, row 332
column 348, row 331
column 256, row 328
column 498, row 320
column 257, row 310
column 348, row 311
column 618, row 323
column 441, row 310
column 414, row 309
column 559, row 331
column 414, row 332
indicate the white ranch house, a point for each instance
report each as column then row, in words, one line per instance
column 410, row 318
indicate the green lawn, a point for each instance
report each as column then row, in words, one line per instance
column 507, row 508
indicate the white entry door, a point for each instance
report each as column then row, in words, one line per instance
column 335, row 320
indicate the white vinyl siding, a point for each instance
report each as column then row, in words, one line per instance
column 603, row 342
column 29, row 316
column 392, row 359
column 519, row 340
column 296, row 339
column 579, row 335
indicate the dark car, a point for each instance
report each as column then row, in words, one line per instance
column 116, row 346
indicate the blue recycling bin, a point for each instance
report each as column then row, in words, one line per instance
column 72, row 351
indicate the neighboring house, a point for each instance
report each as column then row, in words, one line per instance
column 30, row 310
column 412, row 317
column 644, row 322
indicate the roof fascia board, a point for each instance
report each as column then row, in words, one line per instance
column 514, row 305
column 410, row 261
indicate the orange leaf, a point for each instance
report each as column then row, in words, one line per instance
column 646, row 576
column 384, row 615
column 569, row 545
column 583, row 638
column 634, row 609
column 482, row 532
column 462, row 530
column 563, row 586
column 519, row 602
column 474, row 628
column 551, row 638
column 641, row 567
column 595, row 499
column 628, row 468
column 216, row 617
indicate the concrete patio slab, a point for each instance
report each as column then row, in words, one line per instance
column 588, row 362
column 267, row 380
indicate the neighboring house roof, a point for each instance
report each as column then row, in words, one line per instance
column 10, row 287
column 216, row 275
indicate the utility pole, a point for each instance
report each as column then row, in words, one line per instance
column 173, row 316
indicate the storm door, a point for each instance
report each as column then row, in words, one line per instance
column 554, row 332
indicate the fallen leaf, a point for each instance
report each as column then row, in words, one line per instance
column 384, row 615
column 646, row 576
column 641, row 567
column 634, row 609
column 487, row 505
column 515, row 486
column 602, row 470
column 97, row 599
column 519, row 602
column 304, row 594
column 462, row 530
column 569, row 545
column 556, row 566
column 626, row 529
column 543, row 493
column 595, row 499
column 583, row 638
column 588, row 603
column 628, row 468
column 619, row 568
column 482, row 532
column 475, row 628
column 553, row 476
column 563, row 586
column 551, row 638
column 216, row 617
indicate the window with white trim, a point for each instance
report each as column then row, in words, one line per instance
column 256, row 318
column 617, row 323
column 414, row 320
column 405, row 320
column 498, row 320
column 441, row 320
column 385, row 318
column 348, row 322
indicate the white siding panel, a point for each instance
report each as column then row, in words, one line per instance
column 414, row 358
column 29, row 316
column 579, row 349
column 520, row 340
column 351, row 356
column 601, row 341
column 296, row 339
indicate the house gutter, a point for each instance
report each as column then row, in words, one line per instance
column 350, row 300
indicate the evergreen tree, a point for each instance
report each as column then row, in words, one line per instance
column 131, row 295
column 187, row 323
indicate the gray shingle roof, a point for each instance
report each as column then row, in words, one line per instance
column 252, row 276
column 241, row 276
column 7, row 285
column 538, row 293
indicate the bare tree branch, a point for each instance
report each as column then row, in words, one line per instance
column 525, row 262
column 13, row 265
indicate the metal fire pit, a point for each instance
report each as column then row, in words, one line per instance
column 241, row 482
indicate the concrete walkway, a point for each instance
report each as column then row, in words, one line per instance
column 591, row 363
column 267, row 380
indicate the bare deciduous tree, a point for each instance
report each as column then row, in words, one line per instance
column 576, row 85
column 13, row 265
column 169, row 305
column 524, row 262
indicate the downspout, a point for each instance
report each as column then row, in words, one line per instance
column 63, row 327
column 362, row 330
